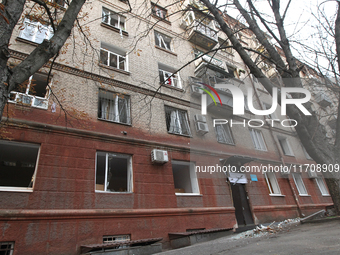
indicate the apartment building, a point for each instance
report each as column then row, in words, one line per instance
column 124, row 157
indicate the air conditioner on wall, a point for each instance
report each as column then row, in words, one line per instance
column 202, row 128
column 159, row 156
column 195, row 89
column 200, row 118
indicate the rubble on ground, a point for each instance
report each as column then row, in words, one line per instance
column 263, row 230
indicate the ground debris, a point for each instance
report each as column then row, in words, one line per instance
column 267, row 229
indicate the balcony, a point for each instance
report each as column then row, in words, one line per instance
column 322, row 100
column 202, row 35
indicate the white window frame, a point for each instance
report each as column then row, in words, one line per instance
column 193, row 178
column 31, row 100
column 301, row 189
column 176, row 125
column 170, row 78
column 129, row 172
column 273, row 185
column 31, row 186
column 119, row 55
column 258, row 140
column 35, row 27
column 11, row 248
column 322, row 186
column 223, row 134
column 162, row 41
column 285, row 146
column 109, row 107
column 111, row 15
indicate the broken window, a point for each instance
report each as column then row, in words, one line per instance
column 223, row 134
column 257, row 138
column 113, row 172
column 322, row 186
column 113, row 57
column 162, row 41
column 113, row 19
column 168, row 77
column 32, row 92
column 6, row 248
column 272, row 183
column 177, row 121
column 35, row 32
column 185, row 179
column 159, row 11
column 18, row 163
column 299, row 184
column 285, row 146
column 114, row 107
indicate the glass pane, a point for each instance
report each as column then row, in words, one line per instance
column 100, row 174
column 117, row 174
column 105, row 16
column 113, row 60
column 42, row 33
column 103, row 57
column 38, row 85
column 114, row 20
column 121, row 63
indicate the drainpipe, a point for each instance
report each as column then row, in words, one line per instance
column 277, row 147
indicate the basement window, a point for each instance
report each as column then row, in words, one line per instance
column 185, row 179
column 32, row 92
column 113, row 172
column 18, row 164
column 116, row 238
column 6, row 248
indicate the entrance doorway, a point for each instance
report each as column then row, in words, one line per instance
column 241, row 204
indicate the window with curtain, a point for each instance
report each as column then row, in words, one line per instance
column 114, row 107
column 177, row 121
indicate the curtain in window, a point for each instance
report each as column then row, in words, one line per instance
column 107, row 109
column 184, row 123
column 123, row 111
column 175, row 126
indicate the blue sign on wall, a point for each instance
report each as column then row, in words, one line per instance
column 253, row 178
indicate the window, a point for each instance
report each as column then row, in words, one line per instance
column 18, row 163
column 225, row 46
column 285, row 146
column 113, row 57
column 113, row 172
column 299, row 184
column 113, row 239
column 272, row 184
column 35, row 32
column 6, row 248
column 257, row 138
column 272, row 115
column 168, row 77
column 32, row 92
column 114, row 107
column 113, row 19
column 159, row 11
column 177, row 121
column 223, row 134
column 162, row 41
column 185, row 179
column 322, row 186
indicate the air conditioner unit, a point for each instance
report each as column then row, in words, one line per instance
column 159, row 156
column 196, row 90
column 202, row 128
column 200, row 118
column 312, row 174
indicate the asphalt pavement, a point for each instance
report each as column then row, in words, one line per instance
column 311, row 238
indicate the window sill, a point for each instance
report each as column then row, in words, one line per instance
column 113, row 192
column 328, row 195
column 172, row 87
column 121, row 123
column 304, row 195
column 289, row 155
column 114, row 69
column 165, row 50
column 161, row 19
column 189, row 136
column 117, row 30
column 189, row 194
column 19, row 39
column 277, row 195
column 15, row 189
column 232, row 144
